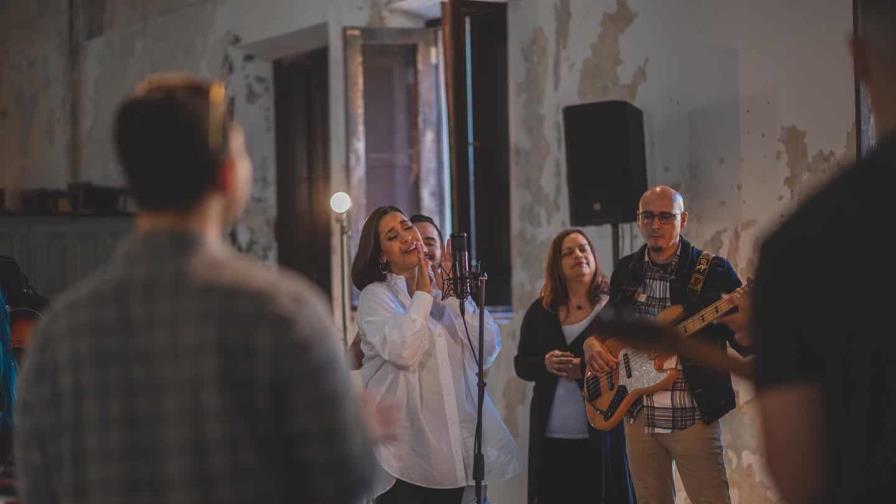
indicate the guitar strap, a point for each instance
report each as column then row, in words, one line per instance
column 699, row 274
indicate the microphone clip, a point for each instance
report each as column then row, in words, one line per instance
column 460, row 286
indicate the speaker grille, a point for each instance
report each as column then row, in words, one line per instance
column 605, row 161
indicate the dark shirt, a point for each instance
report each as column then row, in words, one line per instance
column 178, row 373
column 711, row 388
column 823, row 315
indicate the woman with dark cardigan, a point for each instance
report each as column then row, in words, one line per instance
column 568, row 460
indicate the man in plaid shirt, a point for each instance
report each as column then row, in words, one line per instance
column 182, row 372
column 680, row 424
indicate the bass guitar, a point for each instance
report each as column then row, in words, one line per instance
column 649, row 368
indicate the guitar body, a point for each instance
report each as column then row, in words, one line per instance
column 609, row 396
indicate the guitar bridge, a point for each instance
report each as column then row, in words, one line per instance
column 627, row 365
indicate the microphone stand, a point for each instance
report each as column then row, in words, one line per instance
column 463, row 280
column 478, row 456
column 343, row 238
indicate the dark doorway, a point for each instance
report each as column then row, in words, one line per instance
column 476, row 34
column 303, row 174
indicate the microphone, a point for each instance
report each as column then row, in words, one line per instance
column 460, row 267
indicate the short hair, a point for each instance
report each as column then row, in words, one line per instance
column 418, row 218
column 366, row 265
column 554, row 293
column 171, row 137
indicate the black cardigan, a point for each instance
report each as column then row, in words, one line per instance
column 539, row 334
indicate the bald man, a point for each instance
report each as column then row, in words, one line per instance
column 681, row 424
column 823, row 313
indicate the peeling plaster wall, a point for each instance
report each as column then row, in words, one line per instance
column 748, row 106
column 34, row 127
column 122, row 41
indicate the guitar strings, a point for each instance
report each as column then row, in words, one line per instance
column 643, row 358
column 604, row 377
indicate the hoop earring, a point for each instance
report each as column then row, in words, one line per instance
column 384, row 267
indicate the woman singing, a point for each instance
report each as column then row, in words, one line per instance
column 568, row 460
column 417, row 356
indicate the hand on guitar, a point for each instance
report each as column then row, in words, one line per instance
column 739, row 321
column 563, row 364
column 598, row 357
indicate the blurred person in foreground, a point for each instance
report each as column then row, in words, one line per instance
column 182, row 371
column 821, row 325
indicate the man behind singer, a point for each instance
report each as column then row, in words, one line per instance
column 181, row 371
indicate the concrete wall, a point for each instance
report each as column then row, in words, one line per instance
column 747, row 106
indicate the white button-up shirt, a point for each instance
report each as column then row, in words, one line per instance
column 416, row 355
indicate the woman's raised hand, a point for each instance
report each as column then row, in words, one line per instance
column 424, row 267
column 442, row 271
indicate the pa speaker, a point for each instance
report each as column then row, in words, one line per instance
column 605, row 162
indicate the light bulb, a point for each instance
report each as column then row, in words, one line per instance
column 340, row 202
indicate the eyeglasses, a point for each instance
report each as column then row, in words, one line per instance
column 664, row 217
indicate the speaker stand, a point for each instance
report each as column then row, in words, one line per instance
column 615, row 231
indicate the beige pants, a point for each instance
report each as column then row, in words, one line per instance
column 697, row 452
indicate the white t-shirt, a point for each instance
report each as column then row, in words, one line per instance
column 568, row 419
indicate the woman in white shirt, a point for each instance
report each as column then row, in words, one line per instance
column 417, row 356
column 568, row 460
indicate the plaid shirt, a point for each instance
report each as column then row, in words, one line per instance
column 668, row 410
column 183, row 373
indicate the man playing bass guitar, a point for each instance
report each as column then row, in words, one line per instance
column 681, row 423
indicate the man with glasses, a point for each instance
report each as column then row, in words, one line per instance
column 680, row 424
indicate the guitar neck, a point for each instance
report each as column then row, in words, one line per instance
column 705, row 316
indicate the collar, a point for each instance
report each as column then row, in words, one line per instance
column 638, row 258
column 159, row 250
column 397, row 281
column 671, row 265
column 154, row 243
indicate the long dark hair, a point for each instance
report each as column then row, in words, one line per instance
column 366, row 265
column 554, row 293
